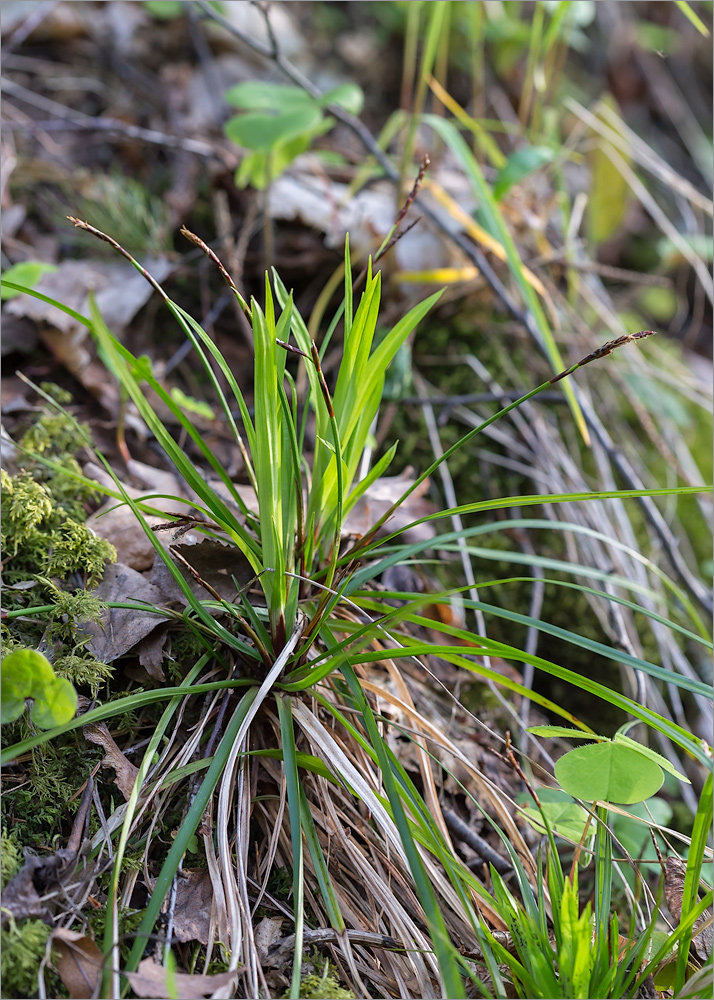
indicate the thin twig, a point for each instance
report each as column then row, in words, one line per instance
column 467, row 836
column 70, row 120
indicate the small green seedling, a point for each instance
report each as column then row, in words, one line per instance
column 518, row 165
column 563, row 814
column 27, row 273
column 609, row 770
column 278, row 122
column 28, row 675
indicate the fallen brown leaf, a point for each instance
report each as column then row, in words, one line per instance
column 192, row 912
column 126, row 773
column 377, row 500
column 151, row 652
column 123, row 628
column 152, row 982
column 267, row 934
column 675, row 871
column 78, row 961
column 214, row 562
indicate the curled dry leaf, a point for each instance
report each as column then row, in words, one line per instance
column 377, row 500
column 154, row 981
column 78, row 961
column 22, row 896
column 675, row 871
column 114, row 758
column 123, row 628
column 215, row 563
column 192, row 911
column 267, row 934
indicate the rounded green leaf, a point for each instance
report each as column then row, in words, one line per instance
column 610, row 772
column 27, row 273
column 263, row 132
column 255, row 95
column 348, row 96
column 57, row 706
column 564, row 815
column 26, row 673
column 652, row 755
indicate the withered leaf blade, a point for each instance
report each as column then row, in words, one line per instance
column 79, row 962
column 123, row 628
column 152, row 982
column 192, row 911
column 267, row 934
column 21, row 897
column 675, row 871
column 126, row 772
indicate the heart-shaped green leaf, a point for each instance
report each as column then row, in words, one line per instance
column 27, row 674
column 57, row 706
column 610, row 772
column 348, row 96
column 255, row 95
column 564, row 815
column 651, row 755
column 263, row 132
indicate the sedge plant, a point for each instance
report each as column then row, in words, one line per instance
column 312, row 646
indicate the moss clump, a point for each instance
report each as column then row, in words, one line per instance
column 39, row 539
column 10, row 858
column 83, row 671
column 47, row 798
column 325, row 986
column 48, row 548
column 23, row 948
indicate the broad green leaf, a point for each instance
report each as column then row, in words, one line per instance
column 256, row 95
column 519, row 165
column 563, row 814
column 164, row 10
column 190, row 405
column 633, row 831
column 572, row 734
column 26, row 673
column 610, row 772
column 651, row 755
column 347, row 95
column 263, row 132
column 27, row 272
column 57, row 705
column 660, row 303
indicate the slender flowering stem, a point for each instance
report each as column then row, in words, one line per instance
column 601, row 352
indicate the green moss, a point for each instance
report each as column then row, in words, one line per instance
column 10, row 858
column 42, row 806
column 83, row 671
column 23, row 948
column 53, row 434
column 325, row 986
column 39, row 539
column 129, row 921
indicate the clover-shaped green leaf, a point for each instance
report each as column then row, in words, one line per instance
column 27, row 674
column 611, row 772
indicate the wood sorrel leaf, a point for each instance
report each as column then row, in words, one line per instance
column 610, row 772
